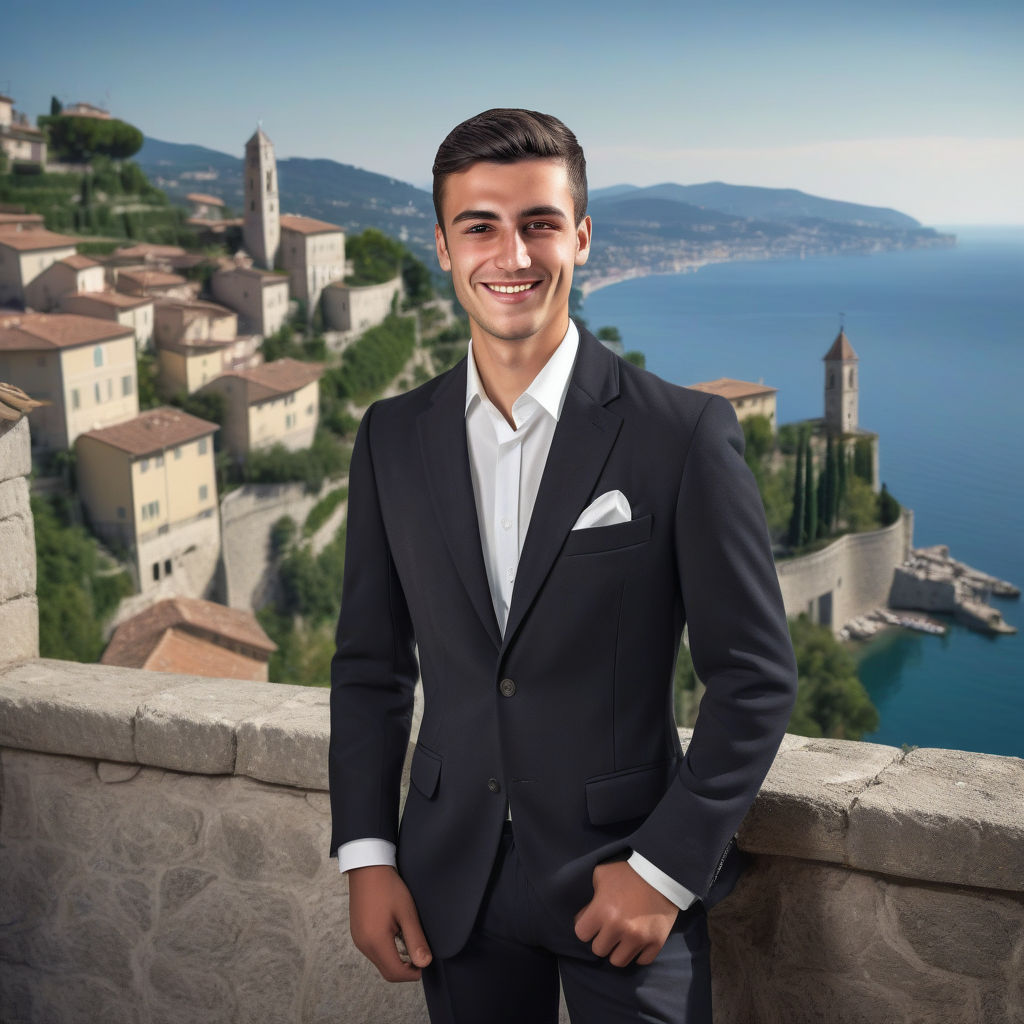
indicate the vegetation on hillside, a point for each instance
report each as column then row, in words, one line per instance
column 79, row 139
column 78, row 589
column 831, row 700
column 376, row 258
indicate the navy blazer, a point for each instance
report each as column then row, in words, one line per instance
column 569, row 715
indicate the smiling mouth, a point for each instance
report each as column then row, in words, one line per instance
column 511, row 289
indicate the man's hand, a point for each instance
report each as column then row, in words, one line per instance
column 380, row 909
column 627, row 919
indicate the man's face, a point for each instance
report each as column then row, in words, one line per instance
column 511, row 247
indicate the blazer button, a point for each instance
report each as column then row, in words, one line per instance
column 507, row 687
column 494, row 785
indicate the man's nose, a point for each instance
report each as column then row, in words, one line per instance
column 514, row 255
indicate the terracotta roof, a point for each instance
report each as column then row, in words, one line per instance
column 21, row 331
column 307, row 225
column 841, row 347
column 188, row 635
column 32, row 239
column 151, row 278
column 13, row 220
column 143, row 249
column 118, row 299
column 281, row 377
column 79, row 262
column 732, row 389
column 153, row 431
column 202, row 197
column 195, row 306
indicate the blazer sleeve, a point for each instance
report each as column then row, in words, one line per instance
column 741, row 649
column 373, row 671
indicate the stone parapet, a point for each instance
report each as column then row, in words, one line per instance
column 19, row 612
column 163, row 843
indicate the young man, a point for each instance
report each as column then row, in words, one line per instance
column 541, row 521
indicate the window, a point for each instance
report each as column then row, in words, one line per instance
column 156, row 571
column 110, row 388
column 167, row 567
column 289, row 421
column 159, row 461
column 309, row 409
column 76, row 400
column 177, row 452
column 202, row 446
column 127, row 387
column 96, row 392
column 203, row 492
column 144, row 465
column 97, row 356
column 150, row 510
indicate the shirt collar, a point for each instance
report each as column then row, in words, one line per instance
column 548, row 389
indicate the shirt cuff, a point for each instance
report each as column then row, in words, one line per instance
column 657, row 879
column 365, row 853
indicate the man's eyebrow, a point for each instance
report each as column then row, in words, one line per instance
column 533, row 211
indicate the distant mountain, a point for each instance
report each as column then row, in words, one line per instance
column 658, row 229
column 778, row 204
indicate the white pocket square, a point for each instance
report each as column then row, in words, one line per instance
column 611, row 508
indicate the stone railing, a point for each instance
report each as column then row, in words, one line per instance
column 163, row 851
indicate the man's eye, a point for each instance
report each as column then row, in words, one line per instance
column 538, row 225
column 478, row 229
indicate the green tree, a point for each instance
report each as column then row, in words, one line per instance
column 831, row 700
column 56, row 107
column 860, row 509
column 609, row 334
column 831, row 488
column 687, row 688
column 796, row 522
column 759, row 440
column 149, row 394
column 79, row 139
column 636, row 358
column 863, row 459
column 810, row 531
column 888, row 507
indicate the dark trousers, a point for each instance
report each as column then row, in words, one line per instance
column 509, row 971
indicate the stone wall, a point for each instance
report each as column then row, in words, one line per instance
column 850, row 577
column 163, row 845
column 19, row 611
column 349, row 308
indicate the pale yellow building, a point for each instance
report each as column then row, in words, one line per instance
column 276, row 403
column 258, row 296
column 313, row 253
column 149, row 487
column 83, row 366
column 197, row 341
column 76, row 273
column 154, row 284
column 746, row 398
column 134, row 311
column 24, row 254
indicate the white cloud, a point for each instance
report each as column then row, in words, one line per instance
column 938, row 180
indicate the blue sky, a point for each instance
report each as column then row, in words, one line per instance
column 915, row 105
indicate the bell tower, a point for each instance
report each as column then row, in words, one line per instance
column 261, row 232
column 841, row 386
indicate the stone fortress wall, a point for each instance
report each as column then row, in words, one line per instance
column 163, row 851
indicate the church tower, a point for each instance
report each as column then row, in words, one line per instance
column 841, row 386
column 262, row 230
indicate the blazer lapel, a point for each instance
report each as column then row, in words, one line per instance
column 442, row 434
column 582, row 441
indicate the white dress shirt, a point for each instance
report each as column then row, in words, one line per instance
column 506, row 464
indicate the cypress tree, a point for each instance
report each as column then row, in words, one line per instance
column 842, row 472
column 831, row 487
column 810, row 497
column 796, row 520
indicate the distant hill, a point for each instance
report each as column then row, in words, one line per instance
column 657, row 229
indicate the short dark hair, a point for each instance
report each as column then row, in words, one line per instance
column 505, row 136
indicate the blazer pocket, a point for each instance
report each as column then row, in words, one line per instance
column 632, row 793
column 608, row 538
column 425, row 771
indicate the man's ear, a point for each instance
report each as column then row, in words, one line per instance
column 442, row 248
column 583, row 241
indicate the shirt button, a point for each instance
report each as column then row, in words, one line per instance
column 494, row 785
column 506, row 524
column 507, row 687
column 510, row 574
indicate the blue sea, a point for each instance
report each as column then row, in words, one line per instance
column 940, row 336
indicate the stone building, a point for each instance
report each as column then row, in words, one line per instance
column 841, row 386
column 20, row 140
column 747, row 399
column 258, row 296
column 83, row 366
column 149, row 487
column 134, row 311
column 154, row 284
column 276, row 403
column 24, row 254
column 66, row 276
column 348, row 308
column 192, row 636
column 313, row 253
column 261, row 231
